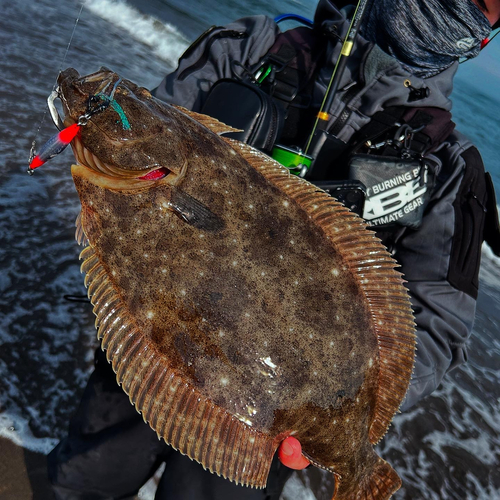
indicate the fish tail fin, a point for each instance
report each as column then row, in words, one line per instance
column 380, row 482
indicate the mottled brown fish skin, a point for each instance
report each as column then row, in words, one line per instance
column 262, row 314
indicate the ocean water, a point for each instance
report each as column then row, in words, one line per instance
column 447, row 447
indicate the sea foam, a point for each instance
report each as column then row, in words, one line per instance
column 165, row 40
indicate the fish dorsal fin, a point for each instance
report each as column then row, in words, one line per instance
column 381, row 284
column 179, row 413
column 211, row 123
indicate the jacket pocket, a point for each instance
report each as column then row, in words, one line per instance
column 470, row 214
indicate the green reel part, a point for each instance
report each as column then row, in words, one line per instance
column 297, row 162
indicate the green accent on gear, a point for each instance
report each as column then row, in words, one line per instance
column 290, row 158
column 124, row 120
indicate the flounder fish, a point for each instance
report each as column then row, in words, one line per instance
column 238, row 304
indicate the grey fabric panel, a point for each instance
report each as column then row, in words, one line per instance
column 220, row 54
column 444, row 315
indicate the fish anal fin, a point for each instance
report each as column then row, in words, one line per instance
column 211, row 123
column 170, row 403
column 379, row 483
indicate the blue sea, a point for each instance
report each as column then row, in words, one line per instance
column 447, row 447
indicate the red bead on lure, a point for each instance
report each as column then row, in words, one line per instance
column 54, row 146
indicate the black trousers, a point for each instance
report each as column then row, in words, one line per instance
column 110, row 453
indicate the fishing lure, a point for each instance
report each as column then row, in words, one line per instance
column 58, row 142
column 55, row 145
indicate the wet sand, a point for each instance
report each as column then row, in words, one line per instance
column 23, row 473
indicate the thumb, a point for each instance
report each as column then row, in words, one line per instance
column 290, row 454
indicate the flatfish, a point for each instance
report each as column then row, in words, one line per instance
column 238, row 304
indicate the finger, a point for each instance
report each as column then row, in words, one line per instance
column 290, row 454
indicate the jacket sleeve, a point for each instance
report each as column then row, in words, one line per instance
column 431, row 258
column 221, row 52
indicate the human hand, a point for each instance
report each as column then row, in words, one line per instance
column 290, row 454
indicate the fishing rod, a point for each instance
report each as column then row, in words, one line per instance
column 300, row 161
column 323, row 116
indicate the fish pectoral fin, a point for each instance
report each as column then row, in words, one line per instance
column 192, row 211
column 211, row 123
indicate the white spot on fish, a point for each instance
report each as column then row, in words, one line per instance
column 286, row 203
column 250, row 206
column 292, row 242
column 235, row 263
column 201, row 235
column 251, row 410
column 224, row 381
column 221, row 333
column 183, row 292
column 335, row 272
column 332, row 343
column 281, row 257
column 139, row 231
column 146, row 255
column 202, row 273
column 150, row 314
column 370, row 362
column 262, row 273
column 113, row 272
column 267, row 361
column 311, row 336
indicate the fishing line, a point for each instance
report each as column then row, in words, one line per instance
column 42, row 120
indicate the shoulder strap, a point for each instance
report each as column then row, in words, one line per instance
column 293, row 60
column 428, row 127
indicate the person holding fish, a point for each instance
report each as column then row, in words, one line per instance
column 358, row 104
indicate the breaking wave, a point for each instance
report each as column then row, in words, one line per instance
column 165, row 40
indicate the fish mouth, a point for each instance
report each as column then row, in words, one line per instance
column 114, row 177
